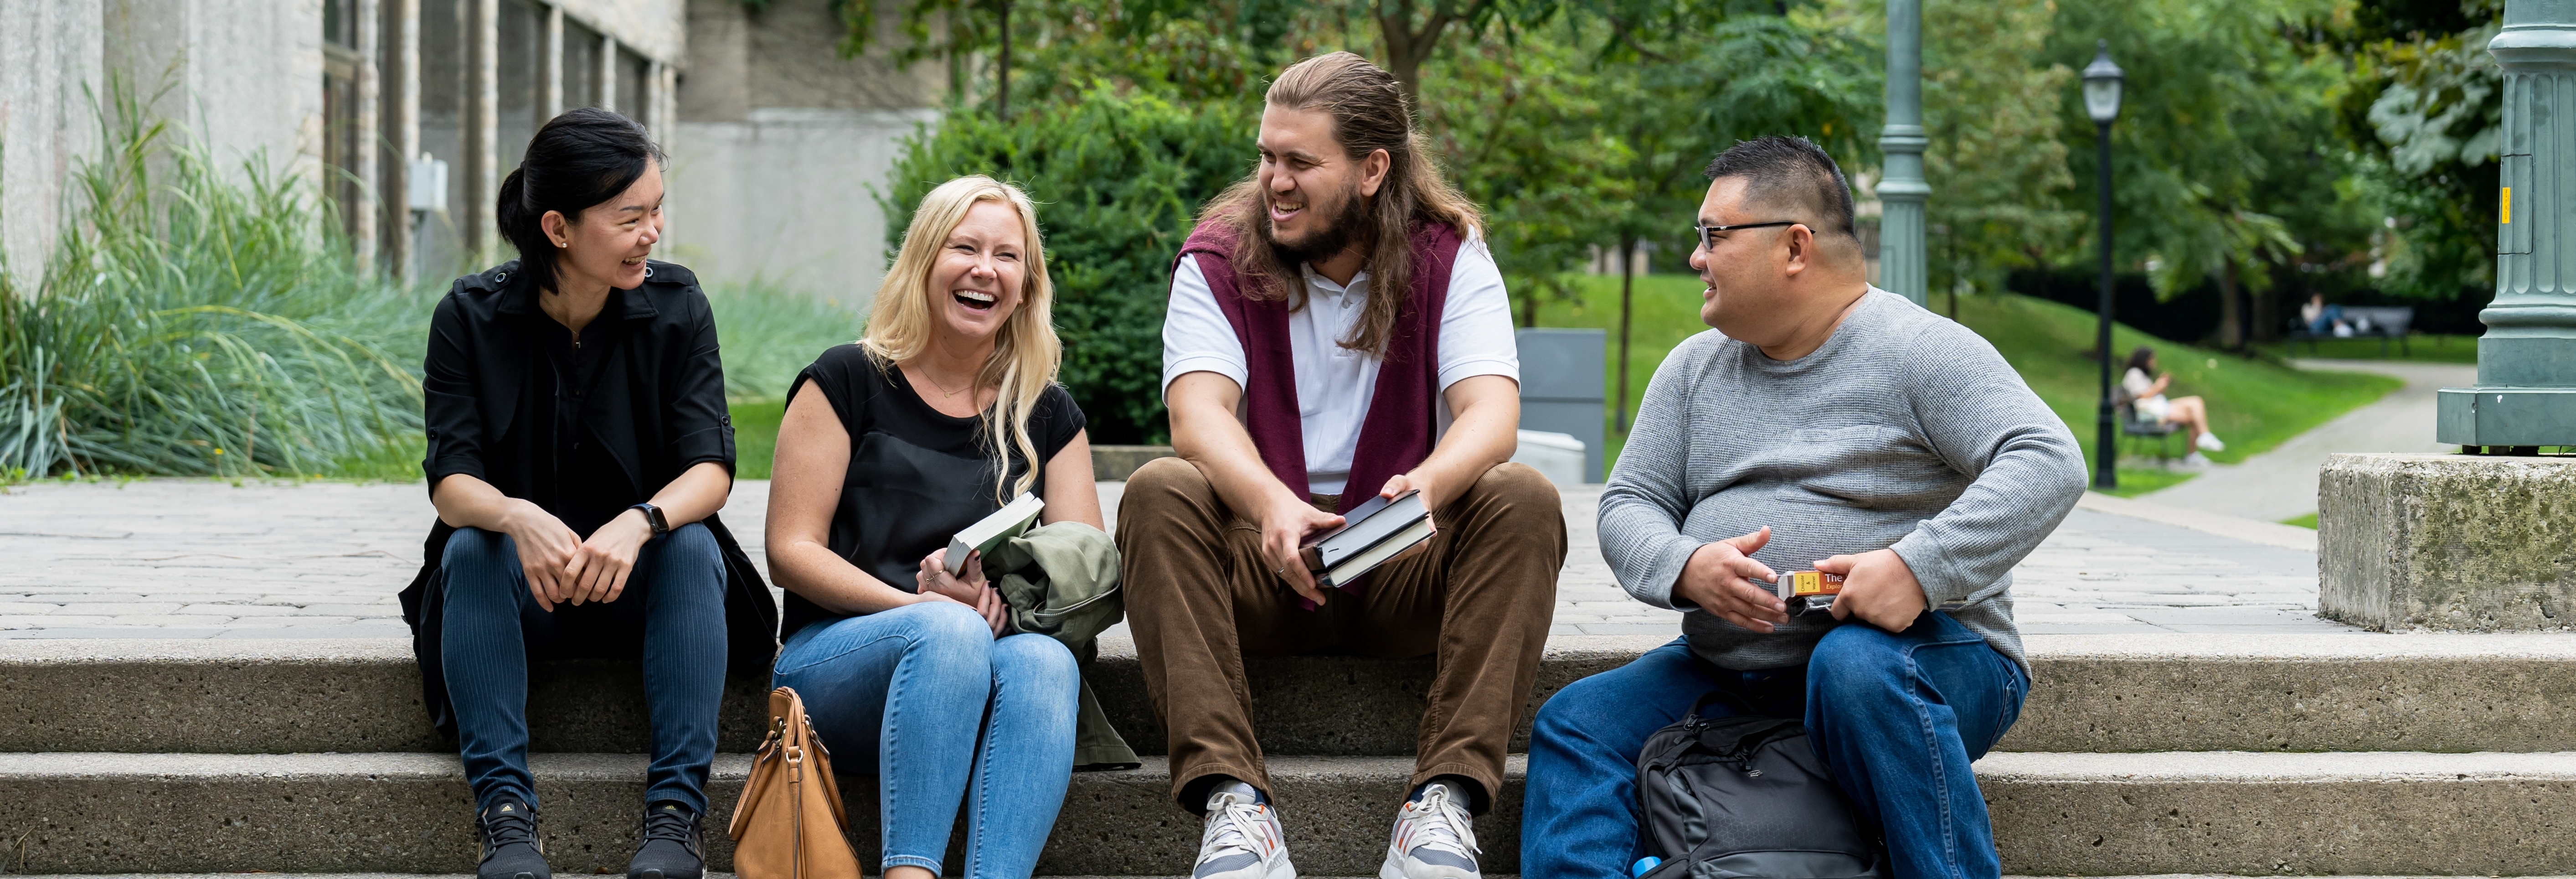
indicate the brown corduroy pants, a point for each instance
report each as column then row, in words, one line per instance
column 1478, row 598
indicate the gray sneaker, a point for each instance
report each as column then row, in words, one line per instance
column 1434, row 839
column 1242, row 840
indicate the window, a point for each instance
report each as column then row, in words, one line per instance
column 581, row 47
column 632, row 97
column 341, row 136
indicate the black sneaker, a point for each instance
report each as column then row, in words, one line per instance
column 671, row 845
column 510, row 851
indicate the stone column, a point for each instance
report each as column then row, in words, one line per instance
column 370, row 104
column 1901, row 189
column 482, row 132
column 2526, row 391
column 553, row 85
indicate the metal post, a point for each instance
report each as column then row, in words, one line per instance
column 2526, row 391
column 2106, row 475
column 1901, row 188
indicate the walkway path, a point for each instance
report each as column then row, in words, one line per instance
column 196, row 559
column 2282, row 483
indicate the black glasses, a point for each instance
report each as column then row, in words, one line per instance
column 1705, row 231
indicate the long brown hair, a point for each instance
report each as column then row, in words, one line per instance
column 1369, row 114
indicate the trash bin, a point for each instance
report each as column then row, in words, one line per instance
column 1554, row 455
column 1561, row 371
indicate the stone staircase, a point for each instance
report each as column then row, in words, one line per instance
column 2213, row 754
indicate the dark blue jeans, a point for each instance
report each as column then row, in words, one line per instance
column 673, row 609
column 1897, row 717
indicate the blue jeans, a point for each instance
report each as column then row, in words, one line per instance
column 903, row 693
column 673, row 607
column 1896, row 717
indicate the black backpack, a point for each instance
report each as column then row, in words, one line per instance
column 1746, row 797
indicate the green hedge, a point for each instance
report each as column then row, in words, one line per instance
column 1118, row 179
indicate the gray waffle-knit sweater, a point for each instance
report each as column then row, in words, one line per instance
column 1904, row 430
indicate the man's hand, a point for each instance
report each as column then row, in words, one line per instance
column 1719, row 578
column 1283, row 527
column 545, row 548
column 597, row 570
column 1878, row 588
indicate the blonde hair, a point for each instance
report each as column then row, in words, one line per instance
column 1026, row 351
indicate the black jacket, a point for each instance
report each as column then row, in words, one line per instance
column 658, row 408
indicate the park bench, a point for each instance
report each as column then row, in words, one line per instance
column 2140, row 430
column 2385, row 322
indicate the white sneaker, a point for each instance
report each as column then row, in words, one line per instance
column 2209, row 443
column 1242, row 840
column 1434, row 839
column 2195, row 459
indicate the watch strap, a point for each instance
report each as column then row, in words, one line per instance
column 653, row 516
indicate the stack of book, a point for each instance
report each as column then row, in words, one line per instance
column 988, row 532
column 1370, row 534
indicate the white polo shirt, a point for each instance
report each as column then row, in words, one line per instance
column 1335, row 384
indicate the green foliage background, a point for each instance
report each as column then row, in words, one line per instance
column 1118, row 176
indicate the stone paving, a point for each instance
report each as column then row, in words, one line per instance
column 202, row 559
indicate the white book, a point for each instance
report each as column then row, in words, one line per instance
column 1003, row 524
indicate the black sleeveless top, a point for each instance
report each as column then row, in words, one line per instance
column 917, row 476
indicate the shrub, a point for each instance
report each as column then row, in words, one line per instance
column 1118, row 178
column 192, row 322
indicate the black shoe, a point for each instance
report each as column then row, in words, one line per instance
column 509, row 832
column 671, row 845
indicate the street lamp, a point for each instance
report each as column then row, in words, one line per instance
column 2102, row 102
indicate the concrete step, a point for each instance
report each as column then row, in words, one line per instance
column 2356, row 692
column 2054, row 814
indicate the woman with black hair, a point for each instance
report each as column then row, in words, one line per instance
column 578, row 452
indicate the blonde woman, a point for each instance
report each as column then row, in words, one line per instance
column 944, row 410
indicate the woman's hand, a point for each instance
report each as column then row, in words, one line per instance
column 546, row 547
column 966, row 587
column 997, row 613
column 598, row 570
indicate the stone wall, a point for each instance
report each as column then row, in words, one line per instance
column 2457, row 542
column 244, row 77
column 779, row 142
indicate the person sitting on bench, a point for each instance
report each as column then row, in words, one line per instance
column 2146, row 392
column 1831, row 424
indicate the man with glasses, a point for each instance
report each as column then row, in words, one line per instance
column 1826, row 425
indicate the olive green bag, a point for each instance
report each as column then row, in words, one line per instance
column 1062, row 582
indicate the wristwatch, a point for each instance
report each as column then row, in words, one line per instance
column 653, row 517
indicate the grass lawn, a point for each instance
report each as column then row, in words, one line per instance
column 2308, row 521
column 2254, row 404
column 2420, row 347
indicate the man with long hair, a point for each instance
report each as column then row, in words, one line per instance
column 1338, row 331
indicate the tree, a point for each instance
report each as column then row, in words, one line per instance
column 2222, row 114
column 1997, row 169
column 2425, row 112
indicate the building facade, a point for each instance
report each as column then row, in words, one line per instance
column 408, row 113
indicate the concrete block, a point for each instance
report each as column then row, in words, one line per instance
column 2451, row 542
column 2092, row 693
column 2298, row 692
column 2297, row 814
column 2055, row 814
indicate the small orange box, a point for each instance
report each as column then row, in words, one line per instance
column 1815, row 583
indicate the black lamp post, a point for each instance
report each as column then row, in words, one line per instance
column 2102, row 102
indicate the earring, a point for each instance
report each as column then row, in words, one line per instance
column 563, row 244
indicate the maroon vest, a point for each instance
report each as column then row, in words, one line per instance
column 1397, row 433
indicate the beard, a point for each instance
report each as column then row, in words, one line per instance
column 1348, row 222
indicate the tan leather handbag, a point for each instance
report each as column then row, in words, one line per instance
column 789, row 824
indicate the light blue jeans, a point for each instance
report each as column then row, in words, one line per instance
column 895, row 694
